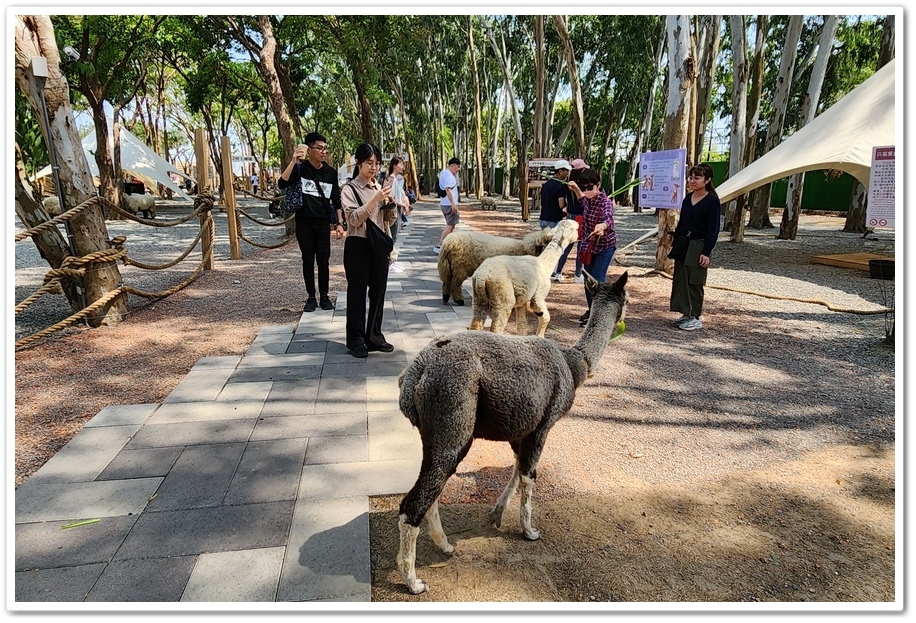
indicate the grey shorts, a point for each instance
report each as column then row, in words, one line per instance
column 450, row 217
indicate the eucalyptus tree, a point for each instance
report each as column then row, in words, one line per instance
column 708, row 31
column 644, row 129
column 760, row 209
column 501, row 52
column 34, row 36
column 866, row 45
column 113, row 52
column 788, row 228
column 734, row 212
column 681, row 79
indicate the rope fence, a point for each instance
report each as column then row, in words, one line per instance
column 75, row 268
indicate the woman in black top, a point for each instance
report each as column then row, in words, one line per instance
column 700, row 215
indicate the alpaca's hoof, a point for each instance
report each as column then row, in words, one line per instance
column 445, row 299
column 417, row 587
column 459, row 301
column 448, row 548
column 531, row 534
column 496, row 517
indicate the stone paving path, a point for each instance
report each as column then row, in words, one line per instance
column 251, row 481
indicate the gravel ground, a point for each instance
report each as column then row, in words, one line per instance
column 147, row 244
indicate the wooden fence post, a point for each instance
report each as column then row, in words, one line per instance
column 206, row 238
column 235, row 251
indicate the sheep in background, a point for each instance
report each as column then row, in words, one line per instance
column 463, row 251
column 498, row 387
column 139, row 203
column 504, row 283
column 129, row 203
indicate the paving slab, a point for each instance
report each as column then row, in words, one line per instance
column 248, row 575
column 250, row 481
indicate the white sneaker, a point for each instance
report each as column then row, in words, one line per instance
column 579, row 279
column 691, row 325
column 681, row 320
column 556, row 277
column 437, row 249
column 394, row 267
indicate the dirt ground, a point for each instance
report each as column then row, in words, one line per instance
column 818, row 528
column 728, row 515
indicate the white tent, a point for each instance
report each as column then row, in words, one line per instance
column 839, row 138
column 137, row 159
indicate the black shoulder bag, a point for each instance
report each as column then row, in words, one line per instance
column 332, row 213
column 679, row 246
column 380, row 242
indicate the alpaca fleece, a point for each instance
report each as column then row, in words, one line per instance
column 503, row 283
column 463, row 251
column 498, row 387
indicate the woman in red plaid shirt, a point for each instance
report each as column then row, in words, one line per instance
column 597, row 231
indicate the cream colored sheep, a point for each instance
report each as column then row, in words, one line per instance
column 463, row 251
column 504, row 283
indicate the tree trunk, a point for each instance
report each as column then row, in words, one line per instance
column 681, row 78
column 521, row 165
column 51, row 244
column 577, row 109
column 539, row 125
column 734, row 213
column 34, row 35
column 707, row 53
column 642, row 137
column 788, row 227
column 855, row 217
column 478, row 134
column 760, row 210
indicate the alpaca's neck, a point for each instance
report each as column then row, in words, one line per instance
column 551, row 253
column 587, row 351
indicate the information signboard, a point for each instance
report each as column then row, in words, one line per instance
column 662, row 175
column 881, row 188
column 540, row 170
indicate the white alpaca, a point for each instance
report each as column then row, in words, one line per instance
column 504, row 283
column 463, row 251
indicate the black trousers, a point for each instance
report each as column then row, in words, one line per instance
column 366, row 272
column 314, row 238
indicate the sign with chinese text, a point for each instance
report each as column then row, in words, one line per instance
column 662, row 177
column 881, row 188
column 540, row 170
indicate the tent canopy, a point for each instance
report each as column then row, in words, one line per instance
column 137, row 159
column 841, row 137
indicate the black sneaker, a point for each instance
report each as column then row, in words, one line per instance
column 325, row 302
column 384, row 347
column 310, row 305
column 583, row 319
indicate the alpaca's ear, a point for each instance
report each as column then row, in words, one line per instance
column 590, row 282
column 620, row 283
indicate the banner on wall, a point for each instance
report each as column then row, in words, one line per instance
column 662, row 176
column 882, row 188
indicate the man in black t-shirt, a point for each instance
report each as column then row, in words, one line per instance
column 320, row 200
column 555, row 198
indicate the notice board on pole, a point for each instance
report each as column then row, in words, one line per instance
column 882, row 188
column 662, row 176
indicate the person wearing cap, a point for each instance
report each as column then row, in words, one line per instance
column 574, row 211
column 554, row 199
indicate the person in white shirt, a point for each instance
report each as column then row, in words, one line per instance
column 448, row 182
column 254, row 183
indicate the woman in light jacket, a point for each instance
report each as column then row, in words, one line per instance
column 362, row 199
